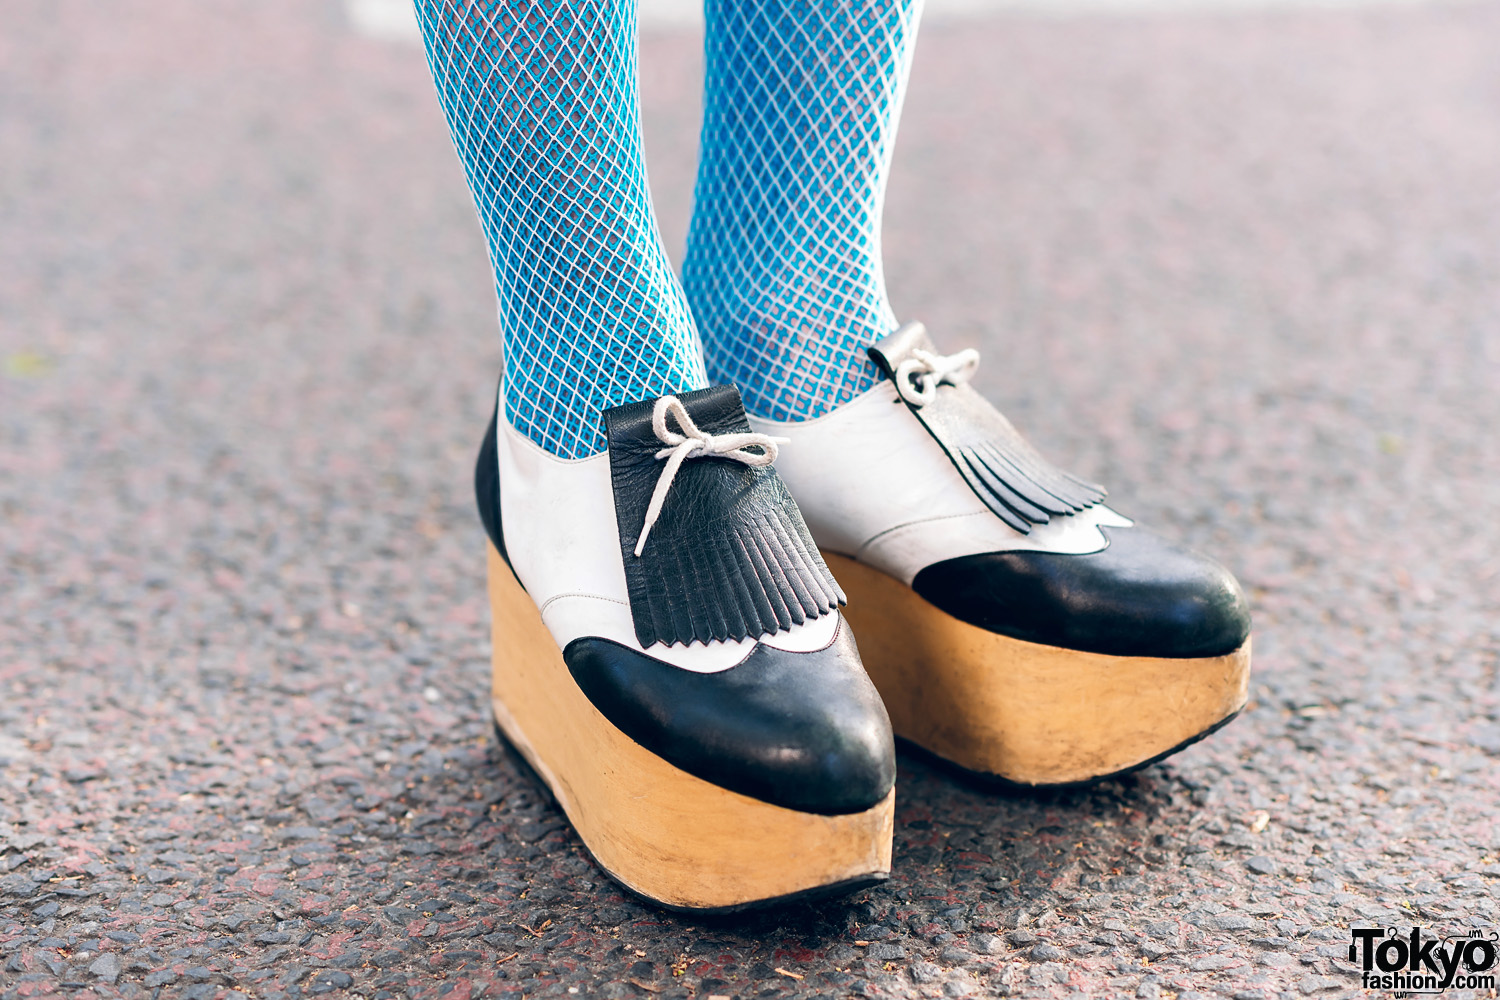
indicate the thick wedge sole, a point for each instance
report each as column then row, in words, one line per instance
column 662, row 833
column 1022, row 712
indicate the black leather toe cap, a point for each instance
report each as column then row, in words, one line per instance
column 1140, row 596
column 802, row 730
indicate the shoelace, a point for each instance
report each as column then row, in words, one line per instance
column 918, row 377
column 695, row 443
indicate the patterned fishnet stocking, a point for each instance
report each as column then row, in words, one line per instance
column 783, row 267
column 541, row 98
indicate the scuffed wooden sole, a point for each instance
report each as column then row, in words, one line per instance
column 1022, row 712
column 662, row 833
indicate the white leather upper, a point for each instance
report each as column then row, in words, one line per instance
column 873, row 485
column 558, row 519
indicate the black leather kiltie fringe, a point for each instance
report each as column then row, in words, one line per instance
column 729, row 556
column 1002, row 468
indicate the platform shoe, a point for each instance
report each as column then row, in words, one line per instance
column 670, row 658
column 1014, row 623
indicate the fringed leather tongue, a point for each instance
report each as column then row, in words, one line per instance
column 1007, row 473
column 727, row 556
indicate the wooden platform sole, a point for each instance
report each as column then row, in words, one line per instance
column 664, row 834
column 1023, row 712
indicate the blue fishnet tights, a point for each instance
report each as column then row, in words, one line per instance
column 783, row 268
column 542, row 101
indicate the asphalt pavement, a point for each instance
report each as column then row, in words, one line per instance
column 1240, row 267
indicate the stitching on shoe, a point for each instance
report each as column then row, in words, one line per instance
column 579, row 593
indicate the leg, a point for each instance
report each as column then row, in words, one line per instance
column 783, row 267
column 668, row 651
column 542, row 101
column 1014, row 624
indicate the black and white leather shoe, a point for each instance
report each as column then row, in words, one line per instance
column 670, row 658
column 1014, row 624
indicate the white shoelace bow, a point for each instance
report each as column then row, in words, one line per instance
column 695, row 443
column 918, row 377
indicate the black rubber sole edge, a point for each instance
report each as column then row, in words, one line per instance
column 1000, row 783
column 817, row 894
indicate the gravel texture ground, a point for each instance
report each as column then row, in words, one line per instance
column 1241, row 268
